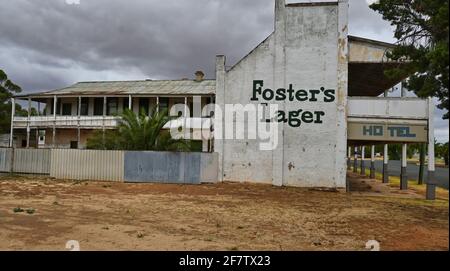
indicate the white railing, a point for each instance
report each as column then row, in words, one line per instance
column 94, row 122
column 199, row 125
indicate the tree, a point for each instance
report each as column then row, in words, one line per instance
column 139, row 133
column 422, row 31
column 442, row 151
column 7, row 90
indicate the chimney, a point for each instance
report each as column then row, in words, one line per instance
column 280, row 14
column 199, row 75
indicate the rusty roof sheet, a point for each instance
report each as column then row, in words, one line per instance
column 147, row 87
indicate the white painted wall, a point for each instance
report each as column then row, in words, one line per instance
column 303, row 51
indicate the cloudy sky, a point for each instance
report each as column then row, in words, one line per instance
column 49, row 44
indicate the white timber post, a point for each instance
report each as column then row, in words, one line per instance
column 386, row 154
column 363, row 162
column 386, row 164
column 104, row 117
column 130, row 102
column 431, row 182
column 403, row 170
column 349, row 158
column 157, row 104
column 79, row 123
column 28, row 123
column 37, row 128
column 403, row 174
column 54, row 121
column 372, row 162
column 186, row 109
column 13, row 112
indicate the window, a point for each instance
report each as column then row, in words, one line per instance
column 50, row 108
column 144, row 104
column 74, row 144
column 163, row 104
column 125, row 104
column 113, row 106
column 58, row 107
column 191, row 109
column 84, row 107
column 66, row 109
column 98, row 107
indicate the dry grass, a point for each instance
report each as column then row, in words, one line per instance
column 117, row 216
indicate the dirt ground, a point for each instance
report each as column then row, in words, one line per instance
column 117, row 216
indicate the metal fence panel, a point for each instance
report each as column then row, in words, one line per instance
column 139, row 166
column 192, row 168
column 209, row 167
column 170, row 167
column 87, row 165
column 175, row 167
column 5, row 159
column 33, row 161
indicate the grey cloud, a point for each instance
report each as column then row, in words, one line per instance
column 162, row 38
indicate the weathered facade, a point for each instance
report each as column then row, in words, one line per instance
column 307, row 51
column 325, row 84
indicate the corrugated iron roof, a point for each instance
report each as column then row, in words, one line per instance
column 147, row 87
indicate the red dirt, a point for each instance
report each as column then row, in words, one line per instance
column 229, row 216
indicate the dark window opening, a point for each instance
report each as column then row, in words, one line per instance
column 74, row 144
column 126, row 103
column 58, row 107
column 191, row 109
column 84, row 107
column 66, row 109
column 50, row 108
column 163, row 104
column 98, row 107
column 113, row 106
column 144, row 105
column 24, row 143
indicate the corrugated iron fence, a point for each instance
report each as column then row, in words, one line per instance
column 32, row 161
column 87, row 165
column 119, row 166
column 167, row 167
column 25, row 160
column 5, row 159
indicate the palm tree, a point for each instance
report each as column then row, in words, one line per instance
column 140, row 133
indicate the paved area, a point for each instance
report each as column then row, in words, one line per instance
column 441, row 174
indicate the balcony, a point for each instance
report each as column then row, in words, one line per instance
column 199, row 127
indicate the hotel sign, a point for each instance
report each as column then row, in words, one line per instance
column 388, row 132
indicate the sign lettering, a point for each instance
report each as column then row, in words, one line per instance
column 297, row 117
column 388, row 132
